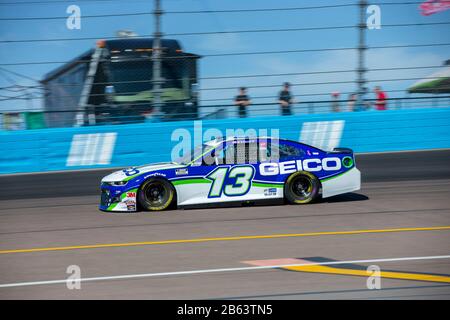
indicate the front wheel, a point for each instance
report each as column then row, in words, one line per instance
column 301, row 187
column 156, row 195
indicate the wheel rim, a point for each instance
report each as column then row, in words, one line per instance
column 302, row 187
column 156, row 194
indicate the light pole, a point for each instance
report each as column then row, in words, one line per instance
column 361, row 70
column 157, row 80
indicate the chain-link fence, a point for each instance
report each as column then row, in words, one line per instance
column 114, row 82
column 65, row 118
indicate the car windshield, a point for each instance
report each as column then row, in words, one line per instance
column 194, row 154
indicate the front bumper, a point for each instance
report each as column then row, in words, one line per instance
column 118, row 199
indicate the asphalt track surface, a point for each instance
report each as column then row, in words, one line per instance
column 50, row 221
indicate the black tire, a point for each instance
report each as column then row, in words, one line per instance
column 301, row 187
column 156, row 195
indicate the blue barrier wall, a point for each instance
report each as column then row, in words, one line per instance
column 137, row 144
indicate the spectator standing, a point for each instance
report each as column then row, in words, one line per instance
column 286, row 100
column 335, row 101
column 351, row 103
column 380, row 103
column 242, row 100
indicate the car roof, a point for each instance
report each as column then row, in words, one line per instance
column 219, row 140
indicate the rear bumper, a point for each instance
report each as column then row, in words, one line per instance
column 346, row 182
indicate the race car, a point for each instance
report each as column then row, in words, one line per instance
column 238, row 170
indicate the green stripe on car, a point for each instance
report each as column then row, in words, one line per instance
column 112, row 206
column 189, row 181
column 266, row 185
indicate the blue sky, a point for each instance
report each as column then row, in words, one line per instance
column 230, row 43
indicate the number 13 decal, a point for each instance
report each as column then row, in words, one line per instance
column 240, row 181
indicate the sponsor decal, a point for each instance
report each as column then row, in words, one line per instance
column 130, row 172
column 347, row 162
column 270, row 192
column 131, row 204
column 131, row 194
column 313, row 165
column 154, row 175
column 180, row 172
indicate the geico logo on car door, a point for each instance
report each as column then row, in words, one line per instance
column 312, row 165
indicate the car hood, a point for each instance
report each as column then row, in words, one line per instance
column 125, row 174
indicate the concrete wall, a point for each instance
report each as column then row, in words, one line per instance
column 128, row 145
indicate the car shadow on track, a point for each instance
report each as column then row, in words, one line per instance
column 346, row 197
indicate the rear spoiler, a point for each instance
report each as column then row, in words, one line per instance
column 341, row 150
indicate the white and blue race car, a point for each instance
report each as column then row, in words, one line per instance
column 234, row 170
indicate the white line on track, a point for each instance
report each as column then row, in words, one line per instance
column 191, row 272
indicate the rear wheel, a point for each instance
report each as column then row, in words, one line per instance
column 156, row 195
column 301, row 187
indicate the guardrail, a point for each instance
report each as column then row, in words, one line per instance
column 137, row 144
